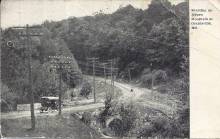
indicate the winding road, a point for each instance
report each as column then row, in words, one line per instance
column 21, row 114
column 127, row 95
column 137, row 97
column 137, row 94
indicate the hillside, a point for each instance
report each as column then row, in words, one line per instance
column 146, row 50
column 135, row 38
column 48, row 127
column 124, row 35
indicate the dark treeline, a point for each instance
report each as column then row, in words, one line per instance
column 135, row 38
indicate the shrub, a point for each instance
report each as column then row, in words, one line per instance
column 109, row 102
column 116, row 126
column 128, row 115
column 8, row 99
column 146, row 131
column 159, row 76
column 86, row 89
column 87, row 118
column 183, row 120
column 162, row 126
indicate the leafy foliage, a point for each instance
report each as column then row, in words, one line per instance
column 128, row 114
column 14, row 61
column 110, row 108
column 8, row 98
column 86, row 118
column 86, row 89
column 134, row 37
column 157, row 36
column 162, row 126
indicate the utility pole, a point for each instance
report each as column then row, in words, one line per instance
column 28, row 34
column 93, row 69
column 93, row 60
column 113, row 77
column 68, row 78
column 104, row 67
column 152, row 77
column 129, row 74
column 111, row 74
column 60, row 87
column 59, row 63
column 30, row 78
column 87, row 70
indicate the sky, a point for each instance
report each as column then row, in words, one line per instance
column 22, row 12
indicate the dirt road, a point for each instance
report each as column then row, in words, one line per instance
column 134, row 96
column 147, row 101
column 21, row 114
column 137, row 94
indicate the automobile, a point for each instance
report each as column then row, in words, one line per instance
column 49, row 103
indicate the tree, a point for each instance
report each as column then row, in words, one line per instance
column 108, row 110
column 86, row 89
column 8, row 98
column 171, row 43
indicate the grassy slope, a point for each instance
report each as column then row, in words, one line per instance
column 52, row 127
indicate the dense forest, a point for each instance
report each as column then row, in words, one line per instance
column 151, row 41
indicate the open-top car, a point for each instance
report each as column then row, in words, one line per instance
column 49, row 103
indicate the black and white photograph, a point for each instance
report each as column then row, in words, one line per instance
column 95, row 69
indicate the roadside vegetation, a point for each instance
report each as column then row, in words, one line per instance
column 49, row 127
column 85, row 90
column 150, row 49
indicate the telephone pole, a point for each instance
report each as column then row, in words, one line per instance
column 93, row 60
column 60, row 63
column 86, row 71
column 60, row 87
column 113, row 78
column 28, row 34
column 129, row 74
column 112, row 74
column 104, row 67
column 30, row 78
column 152, row 77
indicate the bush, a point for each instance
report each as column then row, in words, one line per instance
column 128, row 115
column 87, row 118
column 86, row 89
column 183, row 120
column 109, row 104
column 162, row 126
column 8, row 99
column 116, row 126
column 146, row 80
column 159, row 76
column 146, row 131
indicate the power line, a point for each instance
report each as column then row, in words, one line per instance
column 93, row 60
column 101, row 67
column 59, row 63
column 28, row 34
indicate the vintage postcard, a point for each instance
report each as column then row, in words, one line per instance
column 120, row 69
